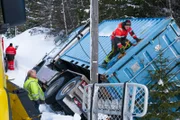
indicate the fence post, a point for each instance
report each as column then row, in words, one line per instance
column 123, row 101
column 92, row 102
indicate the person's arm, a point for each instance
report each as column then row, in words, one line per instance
column 14, row 51
column 6, row 50
column 131, row 32
column 34, row 91
column 113, row 35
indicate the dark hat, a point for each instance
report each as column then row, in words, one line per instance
column 10, row 44
column 127, row 23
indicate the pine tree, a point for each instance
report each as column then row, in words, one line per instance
column 10, row 33
column 164, row 91
column 48, row 13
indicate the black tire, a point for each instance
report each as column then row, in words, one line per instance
column 65, row 91
column 52, row 90
column 54, row 87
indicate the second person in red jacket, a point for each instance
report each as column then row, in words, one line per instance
column 10, row 54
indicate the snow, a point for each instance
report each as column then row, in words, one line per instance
column 160, row 82
column 31, row 50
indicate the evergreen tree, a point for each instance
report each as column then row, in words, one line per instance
column 34, row 13
column 82, row 11
column 10, row 33
column 49, row 13
column 164, row 91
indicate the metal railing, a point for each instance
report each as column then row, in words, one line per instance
column 115, row 101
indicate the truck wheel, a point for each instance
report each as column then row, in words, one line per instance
column 52, row 90
column 54, row 87
column 65, row 91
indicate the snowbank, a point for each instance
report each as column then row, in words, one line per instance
column 31, row 49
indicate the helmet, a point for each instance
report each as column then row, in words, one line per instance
column 127, row 23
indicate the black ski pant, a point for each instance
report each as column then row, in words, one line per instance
column 115, row 48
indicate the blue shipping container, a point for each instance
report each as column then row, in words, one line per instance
column 157, row 33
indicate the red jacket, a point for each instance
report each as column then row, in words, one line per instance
column 121, row 32
column 11, row 50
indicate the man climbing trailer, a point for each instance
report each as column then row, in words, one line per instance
column 119, row 42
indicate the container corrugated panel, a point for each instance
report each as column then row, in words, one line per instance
column 135, row 68
column 156, row 32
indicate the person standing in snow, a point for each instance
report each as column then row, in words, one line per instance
column 35, row 92
column 10, row 54
column 119, row 41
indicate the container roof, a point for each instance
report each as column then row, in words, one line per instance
column 145, row 28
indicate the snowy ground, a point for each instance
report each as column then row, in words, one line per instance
column 30, row 51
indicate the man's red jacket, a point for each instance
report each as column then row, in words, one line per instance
column 11, row 50
column 122, row 33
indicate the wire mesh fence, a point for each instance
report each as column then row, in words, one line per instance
column 115, row 101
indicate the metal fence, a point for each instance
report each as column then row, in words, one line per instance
column 115, row 101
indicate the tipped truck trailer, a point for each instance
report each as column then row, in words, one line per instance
column 68, row 73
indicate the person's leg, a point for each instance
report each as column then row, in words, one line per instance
column 116, row 49
column 7, row 57
column 113, row 51
column 12, row 64
column 36, row 105
column 128, row 44
column 109, row 56
column 9, row 65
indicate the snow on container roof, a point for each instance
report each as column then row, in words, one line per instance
column 146, row 28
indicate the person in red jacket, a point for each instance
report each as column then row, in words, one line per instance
column 118, row 40
column 10, row 53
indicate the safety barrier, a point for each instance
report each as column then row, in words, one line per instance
column 115, row 101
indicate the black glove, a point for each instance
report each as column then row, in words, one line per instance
column 138, row 39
